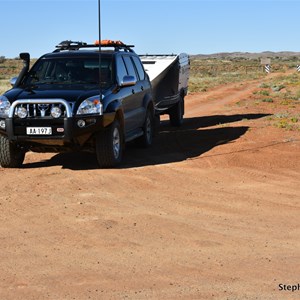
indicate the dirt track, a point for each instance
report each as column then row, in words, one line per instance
column 210, row 212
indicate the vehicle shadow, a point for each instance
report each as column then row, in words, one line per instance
column 170, row 145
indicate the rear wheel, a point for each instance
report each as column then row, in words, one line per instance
column 146, row 139
column 11, row 156
column 176, row 113
column 109, row 146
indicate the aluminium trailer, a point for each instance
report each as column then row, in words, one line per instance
column 169, row 75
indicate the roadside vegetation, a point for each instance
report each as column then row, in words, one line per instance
column 9, row 68
column 210, row 72
column 281, row 96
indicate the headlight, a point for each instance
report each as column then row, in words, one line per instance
column 56, row 112
column 91, row 105
column 22, row 112
column 4, row 106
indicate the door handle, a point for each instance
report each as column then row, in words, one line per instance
column 133, row 91
column 142, row 88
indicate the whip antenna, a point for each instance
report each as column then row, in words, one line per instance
column 99, row 29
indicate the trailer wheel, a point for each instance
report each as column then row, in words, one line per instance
column 109, row 146
column 11, row 156
column 176, row 113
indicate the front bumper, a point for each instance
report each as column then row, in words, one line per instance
column 69, row 130
column 64, row 130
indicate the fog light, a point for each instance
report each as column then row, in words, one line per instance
column 22, row 112
column 55, row 112
column 2, row 124
column 81, row 123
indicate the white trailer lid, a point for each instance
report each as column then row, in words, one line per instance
column 155, row 65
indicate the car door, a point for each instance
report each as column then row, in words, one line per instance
column 125, row 94
column 137, row 112
column 143, row 85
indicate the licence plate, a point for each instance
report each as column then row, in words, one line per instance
column 38, row 130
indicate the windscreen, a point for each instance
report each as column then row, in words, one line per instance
column 75, row 70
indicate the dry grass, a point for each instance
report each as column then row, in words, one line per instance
column 281, row 96
column 9, row 68
column 4, row 85
column 208, row 73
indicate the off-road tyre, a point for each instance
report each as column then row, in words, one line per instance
column 110, row 145
column 146, row 140
column 176, row 113
column 11, row 156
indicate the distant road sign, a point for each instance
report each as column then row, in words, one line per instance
column 298, row 68
column 265, row 61
column 268, row 68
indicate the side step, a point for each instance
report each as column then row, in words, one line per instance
column 134, row 134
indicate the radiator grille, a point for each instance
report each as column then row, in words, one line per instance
column 41, row 110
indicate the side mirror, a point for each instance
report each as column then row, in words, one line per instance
column 13, row 81
column 128, row 81
column 25, row 56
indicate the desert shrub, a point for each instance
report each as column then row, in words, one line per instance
column 294, row 120
column 263, row 93
column 264, row 85
column 268, row 100
column 277, row 88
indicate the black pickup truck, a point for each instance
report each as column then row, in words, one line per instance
column 58, row 105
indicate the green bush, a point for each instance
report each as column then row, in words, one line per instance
column 269, row 100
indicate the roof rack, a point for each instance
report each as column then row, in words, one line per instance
column 71, row 45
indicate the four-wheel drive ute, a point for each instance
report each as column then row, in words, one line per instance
column 58, row 105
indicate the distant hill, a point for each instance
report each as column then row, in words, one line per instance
column 248, row 55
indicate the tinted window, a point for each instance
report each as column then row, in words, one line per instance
column 73, row 70
column 121, row 69
column 139, row 67
column 129, row 66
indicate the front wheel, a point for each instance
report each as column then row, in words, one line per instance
column 11, row 156
column 109, row 146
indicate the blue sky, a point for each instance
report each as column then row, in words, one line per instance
column 154, row 26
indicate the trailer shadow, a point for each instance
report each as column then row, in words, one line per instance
column 191, row 140
column 171, row 144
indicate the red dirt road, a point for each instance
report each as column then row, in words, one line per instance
column 211, row 211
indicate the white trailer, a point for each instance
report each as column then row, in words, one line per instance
column 169, row 75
